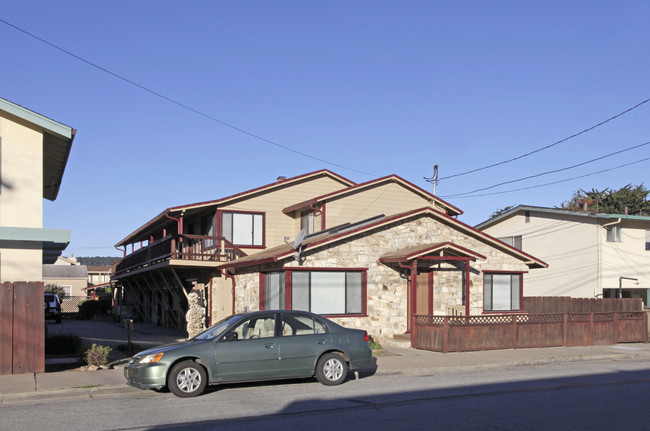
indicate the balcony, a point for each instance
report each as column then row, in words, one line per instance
column 181, row 250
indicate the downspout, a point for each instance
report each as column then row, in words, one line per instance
column 599, row 284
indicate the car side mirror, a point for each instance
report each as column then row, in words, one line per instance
column 231, row 336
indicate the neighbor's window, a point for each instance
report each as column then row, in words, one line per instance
column 321, row 292
column 502, row 292
column 647, row 239
column 67, row 291
column 514, row 241
column 246, row 229
column 614, row 233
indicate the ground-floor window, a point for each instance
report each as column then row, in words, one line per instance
column 502, row 292
column 327, row 292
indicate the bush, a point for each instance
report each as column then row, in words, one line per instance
column 97, row 355
column 88, row 308
column 63, row 345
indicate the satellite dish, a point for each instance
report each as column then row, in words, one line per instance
column 299, row 239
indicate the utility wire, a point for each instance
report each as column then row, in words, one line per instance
column 550, row 172
column 552, row 183
column 182, row 105
column 548, row 146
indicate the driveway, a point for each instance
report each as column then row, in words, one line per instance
column 106, row 332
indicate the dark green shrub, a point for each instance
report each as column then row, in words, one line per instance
column 88, row 308
column 63, row 345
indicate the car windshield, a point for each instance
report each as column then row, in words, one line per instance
column 217, row 329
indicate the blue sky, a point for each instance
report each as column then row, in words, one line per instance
column 365, row 88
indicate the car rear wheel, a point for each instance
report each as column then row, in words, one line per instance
column 187, row 379
column 331, row 369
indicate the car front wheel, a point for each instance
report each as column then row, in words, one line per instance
column 187, row 379
column 331, row 369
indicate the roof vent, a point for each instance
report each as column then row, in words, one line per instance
column 282, row 178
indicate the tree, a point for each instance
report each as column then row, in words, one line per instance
column 499, row 211
column 630, row 198
column 56, row 289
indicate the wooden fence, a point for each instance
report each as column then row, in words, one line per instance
column 22, row 328
column 565, row 328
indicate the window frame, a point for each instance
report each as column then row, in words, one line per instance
column 220, row 228
column 616, row 232
column 288, row 289
column 520, row 275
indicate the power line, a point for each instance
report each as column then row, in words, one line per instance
column 548, row 146
column 182, row 105
column 550, row 172
column 551, row 183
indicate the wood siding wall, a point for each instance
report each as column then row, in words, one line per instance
column 22, row 328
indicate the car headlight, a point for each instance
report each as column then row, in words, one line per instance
column 149, row 359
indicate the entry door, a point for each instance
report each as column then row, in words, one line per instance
column 424, row 293
column 420, row 297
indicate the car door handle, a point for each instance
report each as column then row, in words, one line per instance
column 270, row 345
column 322, row 341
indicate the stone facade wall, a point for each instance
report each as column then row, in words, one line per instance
column 386, row 289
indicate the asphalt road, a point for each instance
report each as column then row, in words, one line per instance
column 602, row 395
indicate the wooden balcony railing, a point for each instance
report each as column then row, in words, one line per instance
column 181, row 247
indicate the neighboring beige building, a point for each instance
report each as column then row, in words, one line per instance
column 72, row 278
column 589, row 255
column 33, row 154
column 368, row 255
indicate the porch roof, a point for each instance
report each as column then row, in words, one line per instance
column 443, row 249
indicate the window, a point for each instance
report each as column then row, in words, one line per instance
column 527, row 217
column 255, row 327
column 307, row 222
column 514, row 241
column 647, row 239
column 67, row 291
column 321, row 292
column 502, row 292
column 274, row 291
column 614, row 233
column 301, row 325
column 246, row 229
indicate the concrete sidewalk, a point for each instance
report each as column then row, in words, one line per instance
column 393, row 361
column 81, row 383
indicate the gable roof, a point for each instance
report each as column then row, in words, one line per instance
column 414, row 252
column 373, row 183
column 57, row 142
column 285, row 251
column 556, row 211
column 140, row 234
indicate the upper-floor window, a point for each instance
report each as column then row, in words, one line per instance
column 514, row 241
column 243, row 229
column 647, row 239
column 307, row 222
column 614, row 233
column 335, row 292
column 502, row 292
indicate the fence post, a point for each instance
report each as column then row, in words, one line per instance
column 616, row 326
column 565, row 329
column 445, row 335
column 514, row 331
column 591, row 329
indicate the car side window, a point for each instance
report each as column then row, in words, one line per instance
column 255, row 327
column 301, row 325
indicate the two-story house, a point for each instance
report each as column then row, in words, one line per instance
column 591, row 255
column 33, row 154
column 368, row 255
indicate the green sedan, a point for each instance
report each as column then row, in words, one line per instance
column 260, row 345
